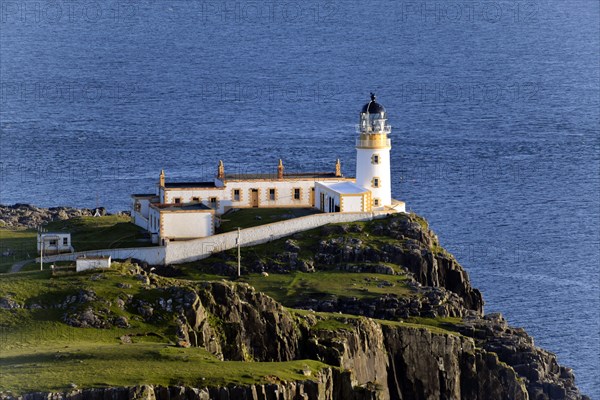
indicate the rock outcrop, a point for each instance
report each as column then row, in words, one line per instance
column 29, row 216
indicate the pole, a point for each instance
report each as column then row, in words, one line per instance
column 239, row 271
column 41, row 251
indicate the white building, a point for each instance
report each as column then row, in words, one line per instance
column 54, row 242
column 85, row 263
column 186, row 210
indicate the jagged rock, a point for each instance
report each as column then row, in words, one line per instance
column 306, row 266
column 145, row 311
column 96, row 277
column 543, row 377
column 8, row 304
column 121, row 322
column 85, row 319
column 292, row 246
column 144, row 279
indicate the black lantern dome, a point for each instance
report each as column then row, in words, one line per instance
column 373, row 107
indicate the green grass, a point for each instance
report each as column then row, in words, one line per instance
column 16, row 245
column 88, row 364
column 444, row 323
column 332, row 321
column 249, row 217
column 290, row 289
column 293, row 288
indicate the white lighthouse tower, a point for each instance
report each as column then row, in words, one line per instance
column 373, row 154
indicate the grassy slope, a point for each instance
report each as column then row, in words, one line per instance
column 290, row 288
column 87, row 233
column 38, row 352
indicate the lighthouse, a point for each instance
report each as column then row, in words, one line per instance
column 373, row 154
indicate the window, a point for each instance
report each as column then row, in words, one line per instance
column 196, row 199
column 375, row 159
column 213, row 202
column 236, row 194
column 65, row 241
column 177, row 200
column 137, row 207
column 272, row 194
column 297, row 193
column 375, row 182
column 376, row 202
column 53, row 242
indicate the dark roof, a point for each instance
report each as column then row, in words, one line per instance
column 373, row 107
column 144, row 195
column 299, row 175
column 190, row 185
column 186, row 206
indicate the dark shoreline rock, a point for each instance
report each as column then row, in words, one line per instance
column 21, row 215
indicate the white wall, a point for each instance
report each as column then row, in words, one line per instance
column 187, row 196
column 191, row 250
column 366, row 170
column 329, row 194
column 83, row 264
column 139, row 220
column 353, row 203
column 153, row 220
column 186, row 225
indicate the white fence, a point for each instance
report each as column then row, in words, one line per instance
column 197, row 249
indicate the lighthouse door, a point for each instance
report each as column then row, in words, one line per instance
column 254, row 197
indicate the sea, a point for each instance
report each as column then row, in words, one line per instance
column 494, row 107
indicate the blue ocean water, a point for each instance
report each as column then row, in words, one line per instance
column 494, row 107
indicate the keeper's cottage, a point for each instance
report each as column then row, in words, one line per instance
column 189, row 210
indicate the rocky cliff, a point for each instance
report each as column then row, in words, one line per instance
column 477, row 357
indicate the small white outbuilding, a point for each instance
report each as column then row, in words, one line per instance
column 86, row 263
column 54, row 242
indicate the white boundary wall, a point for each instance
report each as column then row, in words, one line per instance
column 152, row 255
column 83, row 264
column 197, row 249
